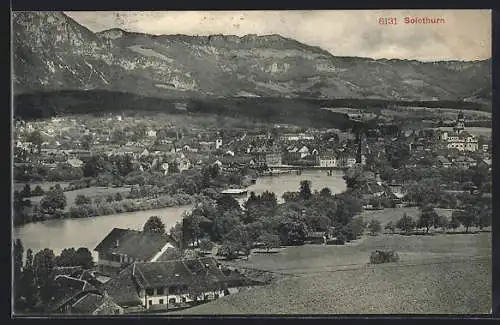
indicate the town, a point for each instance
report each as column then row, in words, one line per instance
column 74, row 167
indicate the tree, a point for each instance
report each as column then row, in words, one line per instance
column 154, row 225
column 191, row 226
column 442, row 222
column 18, row 266
column 83, row 258
column 428, row 218
column 26, row 192
column 454, row 223
column 484, row 218
column 390, row 226
column 239, row 238
column 43, row 265
column 118, row 197
column 227, row 203
column 294, row 232
column 305, row 190
column 81, row 199
column 325, row 192
column 37, row 191
column 406, row 223
column 229, row 250
column 397, row 153
column 206, row 245
column 28, row 281
column 375, row 227
column 36, row 138
column 467, row 217
column 66, row 258
column 53, row 200
column 269, row 240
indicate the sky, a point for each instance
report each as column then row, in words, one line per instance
column 464, row 35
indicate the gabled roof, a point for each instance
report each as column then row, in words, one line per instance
column 122, row 288
column 177, row 272
column 66, row 289
column 89, row 303
column 137, row 244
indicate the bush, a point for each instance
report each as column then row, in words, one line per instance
column 379, row 257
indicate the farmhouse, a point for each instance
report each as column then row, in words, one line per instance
column 172, row 284
column 122, row 247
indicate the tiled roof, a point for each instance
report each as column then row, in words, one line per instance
column 66, row 289
column 88, row 303
column 154, row 274
column 137, row 244
column 122, row 288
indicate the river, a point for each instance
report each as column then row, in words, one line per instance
column 88, row 232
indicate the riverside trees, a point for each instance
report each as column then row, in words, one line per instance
column 224, row 221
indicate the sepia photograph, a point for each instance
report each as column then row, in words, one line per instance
column 279, row 162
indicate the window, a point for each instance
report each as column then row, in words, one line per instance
column 171, row 301
column 150, row 291
column 183, row 299
column 216, row 296
column 159, row 291
column 161, row 302
column 151, row 302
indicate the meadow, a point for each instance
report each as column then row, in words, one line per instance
column 441, row 273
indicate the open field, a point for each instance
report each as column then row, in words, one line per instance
column 387, row 215
column 436, row 274
column 477, row 131
column 92, row 192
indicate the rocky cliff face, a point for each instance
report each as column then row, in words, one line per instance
column 53, row 52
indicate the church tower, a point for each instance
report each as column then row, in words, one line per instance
column 460, row 125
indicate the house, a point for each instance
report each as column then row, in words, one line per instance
column 464, row 162
column 443, row 162
column 328, row 160
column 75, row 162
column 167, row 284
column 317, row 237
column 125, row 246
column 77, row 297
column 183, row 164
column 218, row 144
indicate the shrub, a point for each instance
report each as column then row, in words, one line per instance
column 379, row 257
column 375, row 227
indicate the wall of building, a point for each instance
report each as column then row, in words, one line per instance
column 167, row 299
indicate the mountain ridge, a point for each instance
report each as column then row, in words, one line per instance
column 53, row 52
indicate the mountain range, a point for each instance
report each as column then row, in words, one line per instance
column 52, row 52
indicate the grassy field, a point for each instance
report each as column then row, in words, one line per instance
column 92, row 192
column 436, row 274
column 477, row 131
column 387, row 215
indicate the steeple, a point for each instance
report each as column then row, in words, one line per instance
column 460, row 125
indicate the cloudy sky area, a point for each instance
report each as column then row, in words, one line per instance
column 465, row 35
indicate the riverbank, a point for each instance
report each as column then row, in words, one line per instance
column 57, row 234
